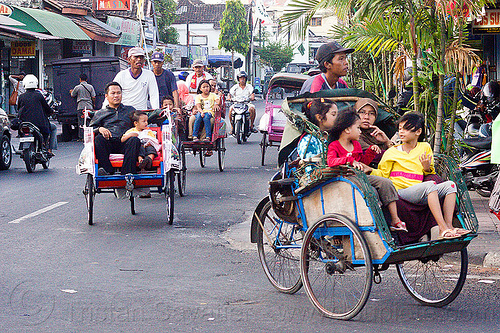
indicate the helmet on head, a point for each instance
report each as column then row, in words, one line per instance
column 183, row 76
column 30, row 82
column 491, row 91
column 242, row 74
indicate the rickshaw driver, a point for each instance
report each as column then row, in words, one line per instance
column 332, row 61
column 109, row 124
column 193, row 80
column 242, row 92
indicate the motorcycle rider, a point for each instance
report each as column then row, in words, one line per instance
column 242, row 92
column 33, row 108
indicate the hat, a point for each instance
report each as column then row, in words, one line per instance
column 136, row 51
column 197, row 63
column 157, row 56
column 326, row 50
column 362, row 102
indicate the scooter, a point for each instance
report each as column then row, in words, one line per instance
column 241, row 121
column 32, row 148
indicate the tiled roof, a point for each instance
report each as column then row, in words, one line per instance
column 131, row 14
column 60, row 4
column 84, row 23
column 197, row 11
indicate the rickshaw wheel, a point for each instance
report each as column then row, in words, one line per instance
column 89, row 192
column 203, row 158
column 169, row 195
column 281, row 265
column 181, row 175
column 433, row 281
column 263, row 146
column 336, row 285
column 221, row 153
column 132, row 205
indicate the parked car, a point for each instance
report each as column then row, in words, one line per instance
column 5, row 146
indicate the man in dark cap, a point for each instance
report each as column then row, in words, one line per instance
column 165, row 79
column 332, row 60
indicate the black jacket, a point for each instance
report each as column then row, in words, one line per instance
column 33, row 108
column 117, row 121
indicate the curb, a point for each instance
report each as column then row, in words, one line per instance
column 492, row 259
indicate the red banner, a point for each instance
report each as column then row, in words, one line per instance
column 113, row 4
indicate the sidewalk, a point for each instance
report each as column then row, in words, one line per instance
column 484, row 250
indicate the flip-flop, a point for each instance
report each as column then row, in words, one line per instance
column 448, row 234
column 401, row 226
column 461, row 231
column 146, row 163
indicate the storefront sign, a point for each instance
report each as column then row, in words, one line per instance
column 5, row 10
column 82, row 46
column 130, row 30
column 488, row 24
column 25, row 49
column 113, row 4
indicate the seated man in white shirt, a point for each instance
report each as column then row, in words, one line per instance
column 242, row 92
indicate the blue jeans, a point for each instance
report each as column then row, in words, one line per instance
column 206, row 121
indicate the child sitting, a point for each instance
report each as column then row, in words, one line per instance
column 345, row 149
column 206, row 103
column 321, row 114
column 407, row 164
column 149, row 143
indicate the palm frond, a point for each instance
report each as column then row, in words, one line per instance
column 461, row 58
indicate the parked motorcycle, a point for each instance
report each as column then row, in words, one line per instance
column 32, row 148
column 241, row 121
column 475, row 157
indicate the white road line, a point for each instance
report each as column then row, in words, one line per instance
column 38, row 212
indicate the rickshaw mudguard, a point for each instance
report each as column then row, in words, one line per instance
column 255, row 222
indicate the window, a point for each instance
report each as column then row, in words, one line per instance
column 316, row 21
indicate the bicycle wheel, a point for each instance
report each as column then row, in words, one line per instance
column 169, row 195
column 436, row 280
column 263, row 146
column 89, row 193
column 132, row 205
column 279, row 251
column 337, row 284
column 181, row 175
column 221, row 153
column 203, row 158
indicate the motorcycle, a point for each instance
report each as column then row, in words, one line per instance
column 475, row 157
column 32, row 148
column 241, row 121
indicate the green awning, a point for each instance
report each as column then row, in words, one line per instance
column 47, row 22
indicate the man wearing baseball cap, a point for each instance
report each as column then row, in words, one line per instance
column 193, row 80
column 332, row 60
column 165, row 79
column 138, row 84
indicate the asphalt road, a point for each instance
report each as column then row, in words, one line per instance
column 136, row 273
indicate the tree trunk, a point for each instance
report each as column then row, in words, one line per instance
column 413, row 38
column 440, row 109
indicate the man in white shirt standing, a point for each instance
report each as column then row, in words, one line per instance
column 138, row 83
column 242, row 92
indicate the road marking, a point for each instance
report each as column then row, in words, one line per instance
column 40, row 211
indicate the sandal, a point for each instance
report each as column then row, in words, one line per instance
column 400, row 226
column 448, row 234
column 146, row 163
column 207, row 139
column 195, row 139
column 461, row 231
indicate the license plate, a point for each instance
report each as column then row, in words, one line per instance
column 27, row 139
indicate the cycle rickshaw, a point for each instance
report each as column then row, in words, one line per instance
column 273, row 121
column 160, row 180
column 203, row 148
column 330, row 235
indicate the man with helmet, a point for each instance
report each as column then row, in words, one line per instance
column 332, row 60
column 33, row 108
column 242, row 92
